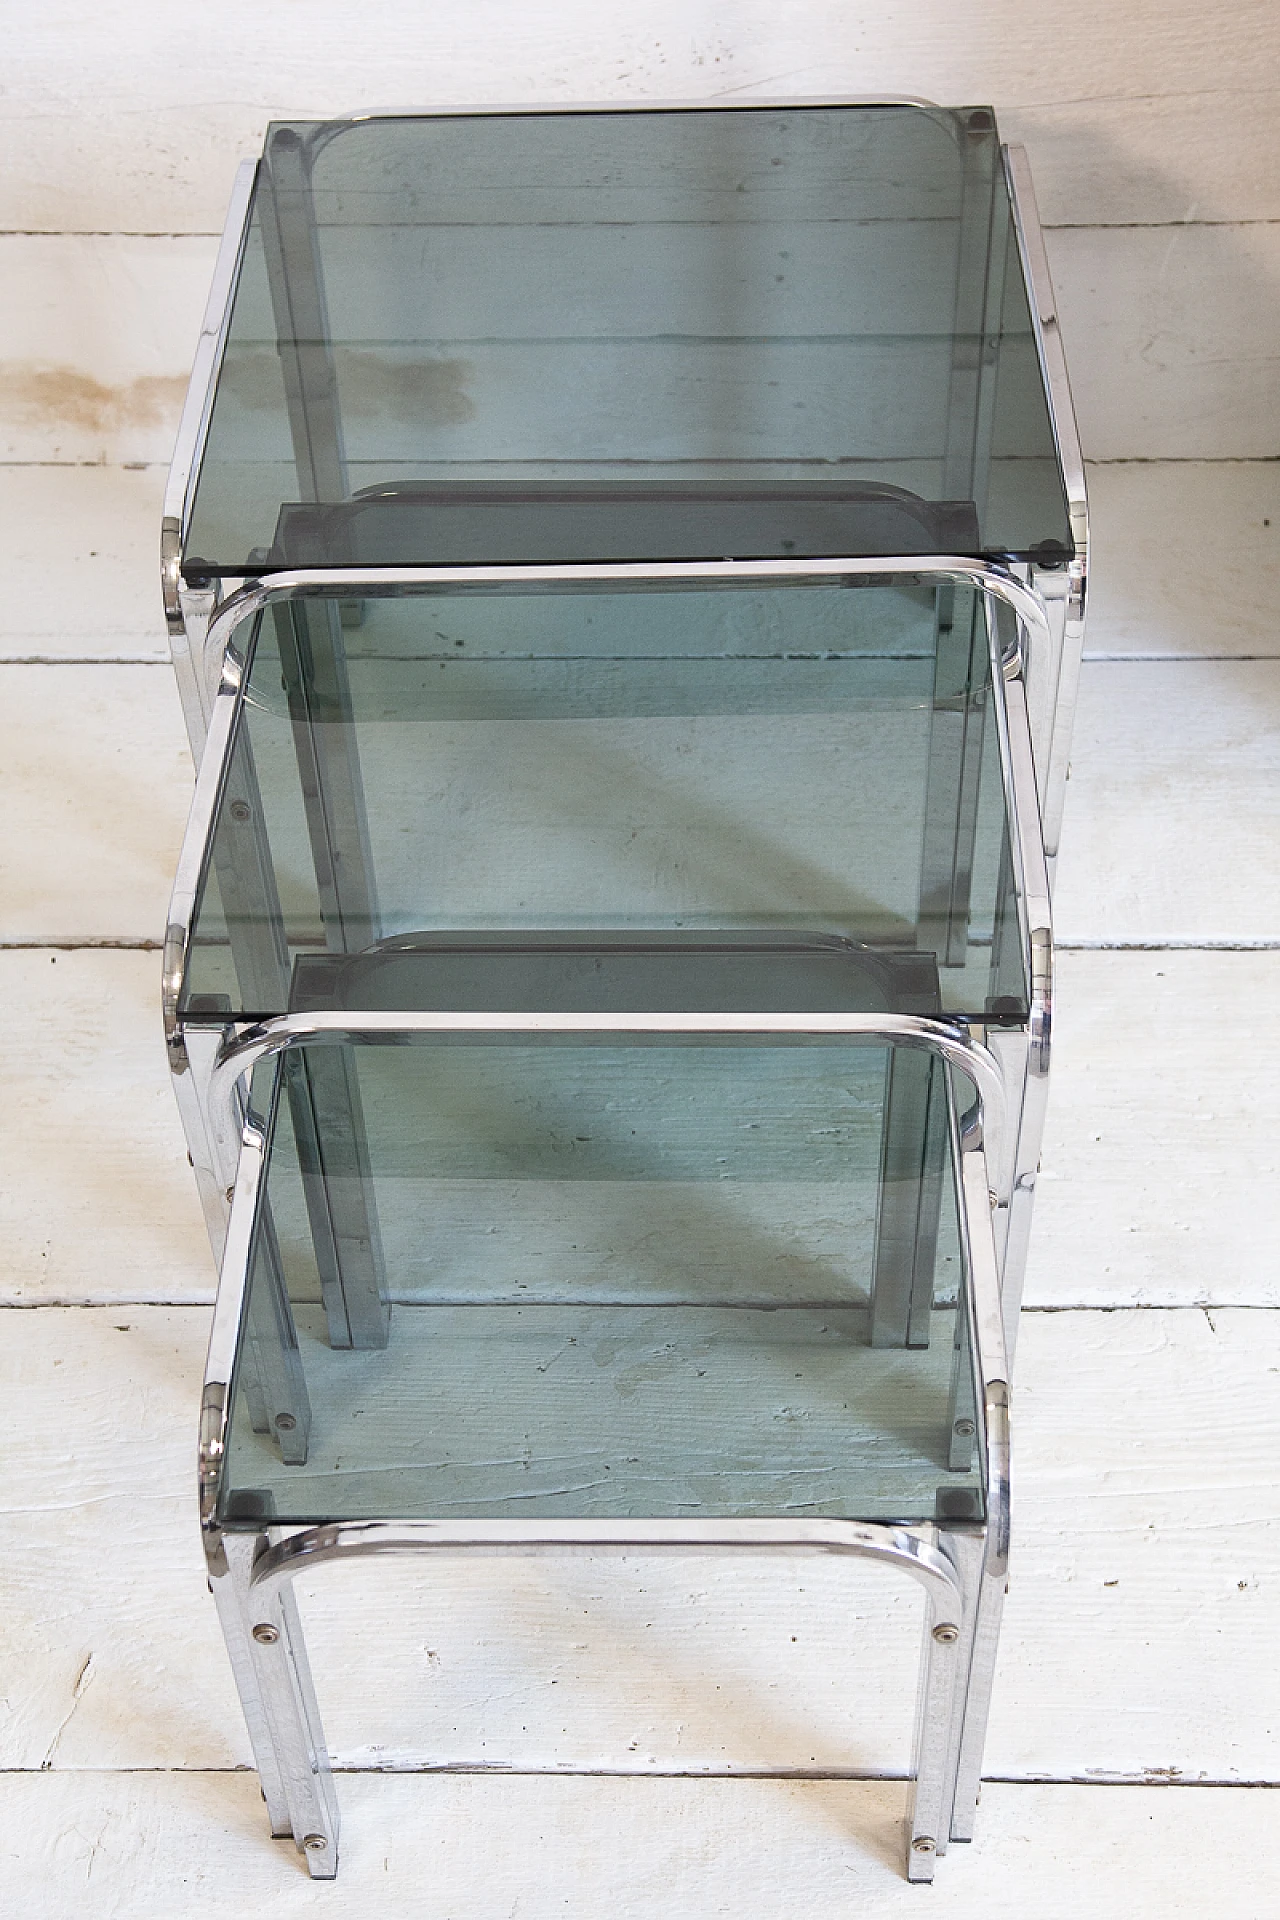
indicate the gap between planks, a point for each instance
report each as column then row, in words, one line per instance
column 1154, row 1779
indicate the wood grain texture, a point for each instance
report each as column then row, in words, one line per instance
column 96, row 338
column 1173, row 763
column 1147, row 1548
column 1185, row 558
column 1172, row 807
column 1171, row 337
column 608, row 1411
column 95, row 530
column 1158, row 1184
column 100, row 1205
column 194, row 1847
column 119, row 117
column 81, row 563
column 99, row 783
column 98, row 1201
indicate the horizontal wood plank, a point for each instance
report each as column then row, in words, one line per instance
column 1134, row 1564
column 1172, row 807
column 1184, row 558
column 98, row 1202
column 1170, row 335
column 117, row 122
column 95, row 530
column 82, row 563
column 100, row 1205
column 1158, row 1184
column 194, row 1847
column 1173, row 763
column 99, row 782
column 178, row 1847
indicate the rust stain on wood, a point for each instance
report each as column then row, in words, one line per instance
column 35, row 395
column 430, row 392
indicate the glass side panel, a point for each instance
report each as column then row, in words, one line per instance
column 815, row 761
column 665, row 1278
column 746, row 332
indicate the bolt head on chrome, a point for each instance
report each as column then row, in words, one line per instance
column 316, row 1843
column 946, row 1635
column 286, row 1422
column 964, row 1428
column 923, row 1843
column 265, row 1634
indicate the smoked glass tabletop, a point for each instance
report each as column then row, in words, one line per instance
column 805, row 770
column 666, row 334
column 625, row 1279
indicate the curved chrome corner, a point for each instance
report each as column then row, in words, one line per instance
column 241, row 1052
column 373, row 583
column 171, row 570
column 910, row 1550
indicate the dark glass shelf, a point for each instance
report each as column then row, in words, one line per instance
column 741, row 332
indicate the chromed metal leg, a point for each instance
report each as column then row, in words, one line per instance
column 984, row 1607
column 954, row 776
column 302, row 1780
column 229, row 1584
column 980, row 272
column 313, row 661
column 936, row 1736
column 212, row 1160
column 243, row 862
column 275, row 1387
column 962, row 1409
column 912, row 1167
column 296, row 279
column 333, row 1156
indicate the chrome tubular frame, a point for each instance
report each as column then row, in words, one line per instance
column 370, row 583
column 962, row 1568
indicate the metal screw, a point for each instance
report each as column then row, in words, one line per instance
column 923, row 1843
column 965, row 1429
column 946, row 1635
column 316, row 1843
column 286, row 1422
column 239, row 810
column 265, row 1634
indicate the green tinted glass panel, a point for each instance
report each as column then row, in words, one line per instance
column 813, row 762
column 660, row 1278
column 743, row 332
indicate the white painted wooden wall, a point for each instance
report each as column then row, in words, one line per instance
column 552, row 1728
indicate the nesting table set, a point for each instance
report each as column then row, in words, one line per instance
column 625, row 572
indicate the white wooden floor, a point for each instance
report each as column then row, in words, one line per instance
column 676, row 1737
